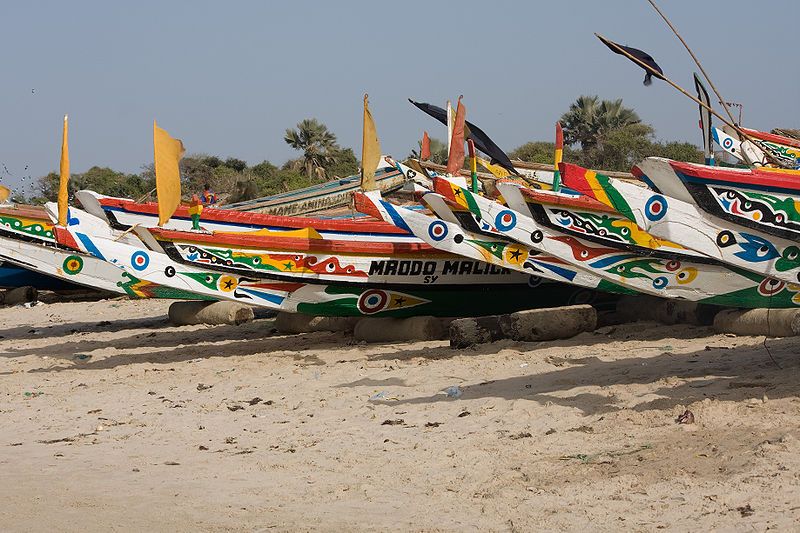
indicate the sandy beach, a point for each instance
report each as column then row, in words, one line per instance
column 114, row 420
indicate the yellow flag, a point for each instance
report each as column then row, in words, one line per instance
column 168, row 153
column 5, row 192
column 63, row 185
column 496, row 170
column 370, row 150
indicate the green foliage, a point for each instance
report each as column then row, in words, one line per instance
column 438, row 151
column 589, row 119
column 344, row 164
column 100, row 179
column 318, row 145
column 541, row 152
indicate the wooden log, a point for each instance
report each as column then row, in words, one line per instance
column 293, row 323
column 531, row 325
column 550, row 323
column 224, row 312
column 20, row 295
column 465, row 332
column 665, row 310
column 768, row 322
column 418, row 328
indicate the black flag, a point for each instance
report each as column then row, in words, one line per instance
column 644, row 57
column 482, row 141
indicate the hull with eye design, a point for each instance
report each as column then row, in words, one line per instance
column 465, row 291
column 702, row 282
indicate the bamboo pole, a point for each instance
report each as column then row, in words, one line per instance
column 693, row 98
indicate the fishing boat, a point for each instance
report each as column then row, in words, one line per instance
column 321, row 197
column 705, row 282
column 446, row 233
column 391, row 279
column 762, row 198
column 683, row 222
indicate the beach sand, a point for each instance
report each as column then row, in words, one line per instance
column 111, row 419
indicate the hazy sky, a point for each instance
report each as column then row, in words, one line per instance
column 228, row 78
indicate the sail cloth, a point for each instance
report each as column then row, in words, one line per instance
column 168, row 153
column 425, row 148
column 370, row 150
column 5, row 192
column 644, row 57
column 455, row 158
column 482, row 141
column 705, row 121
column 63, row 182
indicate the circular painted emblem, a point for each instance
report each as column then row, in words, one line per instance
column 372, row 301
column 727, row 143
column 673, row 265
column 725, row 238
column 660, row 282
column 655, row 208
column 505, row 220
column 169, row 271
column 140, row 260
column 687, row 275
column 227, row 283
column 770, row 287
column 437, row 230
column 73, row 264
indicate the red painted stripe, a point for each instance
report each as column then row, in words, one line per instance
column 294, row 244
column 580, row 202
column 261, row 219
column 780, row 139
column 747, row 177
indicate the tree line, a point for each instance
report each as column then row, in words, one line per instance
column 599, row 134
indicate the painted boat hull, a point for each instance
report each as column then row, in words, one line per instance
column 682, row 222
column 701, row 282
column 766, row 200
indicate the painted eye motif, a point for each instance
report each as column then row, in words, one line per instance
column 792, row 253
column 256, row 260
column 584, row 254
column 209, row 279
column 625, row 232
column 330, row 267
column 763, row 251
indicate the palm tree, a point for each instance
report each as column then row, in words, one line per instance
column 317, row 144
column 589, row 119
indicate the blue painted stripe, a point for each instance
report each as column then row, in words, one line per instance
column 397, row 220
column 89, row 245
column 274, row 298
column 563, row 272
column 608, row 261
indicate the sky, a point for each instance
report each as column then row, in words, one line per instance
column 228, row 78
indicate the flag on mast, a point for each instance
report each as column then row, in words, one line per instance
column 644, row 57
column 167, row 156
column 370, row 150
column 558, row 156
column 705, row 121
column 63, row 182
column 425, row 148
column 455, row 157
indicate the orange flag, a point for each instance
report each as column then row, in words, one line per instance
column 168, row 153
column 63, row 185
column 5, row 192
column 455, row 159
column 425, row 152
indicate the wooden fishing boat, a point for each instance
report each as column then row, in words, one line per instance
column 683, row 222
column 746, row 151
column 27, row 241
column 446, row 233
column 691, row 280
column 762, row 198
column 386, row 279
column 321, row 197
